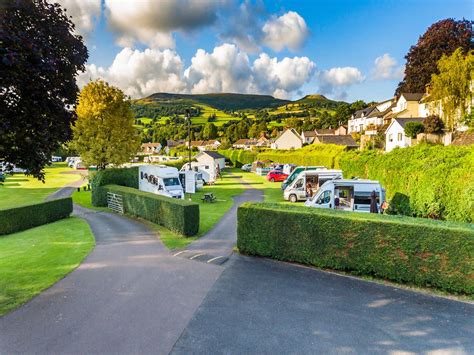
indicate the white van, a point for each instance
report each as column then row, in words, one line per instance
column 298, row 189
column 208, row 171
column 161, row 180
column 348, row 195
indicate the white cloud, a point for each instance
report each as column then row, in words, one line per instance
column 386, row 68
column 225, row 69
column 288, row 30
column 335, row 81
column 84, row 13
column 153, row 23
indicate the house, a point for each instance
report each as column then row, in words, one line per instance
column 289, row 139
column 150, row 148
column 246, row 144
column 345, row 140
column 358, row 121
column 263, row 141
column 211, row 158
column 174, row 143
column 395, row 133
column 204, row 145
column 408, row 105
column 370, row 117
column 308, row 136
column 341, row 131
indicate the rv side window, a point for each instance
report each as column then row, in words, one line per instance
column 171, row 181
column 299, row 184
column 363, row 197
column 324, row 198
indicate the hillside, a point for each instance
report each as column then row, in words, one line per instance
column 225, row 101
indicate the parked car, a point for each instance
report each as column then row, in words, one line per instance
column 276, row 175
column 246, row 167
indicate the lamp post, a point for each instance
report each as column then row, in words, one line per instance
column 188, row 118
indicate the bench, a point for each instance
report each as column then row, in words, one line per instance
column 209, row 197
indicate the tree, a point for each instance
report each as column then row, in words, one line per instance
column 413, row 128
column 40, row 59
column 104, row 132
column 209, row 131
column 443, row 37
column 433, row 124
column 452, row 86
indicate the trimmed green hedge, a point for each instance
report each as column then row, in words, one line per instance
column 239, row 157
column 177, row 215
column 115, row 176
column 418, row 251
column 426, row 180
column 28, row 216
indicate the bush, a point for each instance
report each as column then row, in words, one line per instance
column 418, row 251
column 116, row 176
column 433, row 124
column 435, row 181
column 177, row 215
column 413, row 128
column 24, row 217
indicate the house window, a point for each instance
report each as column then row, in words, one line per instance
column 390, row 137
column 399, row 137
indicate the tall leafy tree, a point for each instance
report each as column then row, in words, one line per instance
column 452, row 87
column 40, row 59
column 209, row 131
column 104, row 132
column 443, row 37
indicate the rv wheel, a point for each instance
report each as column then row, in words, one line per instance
column 293, row 198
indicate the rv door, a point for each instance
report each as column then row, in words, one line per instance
column 324, row 200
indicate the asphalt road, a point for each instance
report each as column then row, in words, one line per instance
column 130, row 295
column 260, row 306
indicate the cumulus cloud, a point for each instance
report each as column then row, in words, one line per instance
column 335, row 81
column 386, row 68
column 225, row 69
column 153, row 23
column 288, row 30
column 84, row 13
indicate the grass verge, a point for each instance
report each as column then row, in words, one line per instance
column 33, row 260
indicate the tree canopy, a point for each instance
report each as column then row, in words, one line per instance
column 40, row 59
column 104, row 132
column 441, row 38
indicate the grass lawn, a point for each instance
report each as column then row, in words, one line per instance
column 33, row 260
column 83, row 198
column 271, row 190
column 20, row 189
column 206, row 111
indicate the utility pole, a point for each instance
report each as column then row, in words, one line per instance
column 188, row 117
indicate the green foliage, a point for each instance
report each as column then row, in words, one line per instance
column 104, row 133
column 116, row 176
column 438, row 181
column 28, row 216
column 180, row 216
column 433, row 124
column 418, row 251
column 239, row 157
column 413, row 128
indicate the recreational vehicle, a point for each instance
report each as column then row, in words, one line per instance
column 207, row 170
column 348, row 195
column 161, row 180
column 308, row 182
column 295, row 172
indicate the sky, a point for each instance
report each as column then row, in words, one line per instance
column 344, row 49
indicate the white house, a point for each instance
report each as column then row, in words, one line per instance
column 151, row 148
column 246, row 144
column 308, row 136
column 395, row 133
column 372, row 116
column 290, row 139
column 211, row 158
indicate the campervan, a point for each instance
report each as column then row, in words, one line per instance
column 208, row 171
column 348, row 195
column 161, row 180
column 295, row 172
column 308, row 182
column 71, row 160
column 197, row 178
column 56, row 159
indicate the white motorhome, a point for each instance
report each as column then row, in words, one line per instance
column 308, row 182
column 207, row 170
column 348, row 195
column 161, row 180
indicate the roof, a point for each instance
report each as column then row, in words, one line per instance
column 364, row 112
column 346, row 140
column 146, row 145
column 403, row 121
column 244, row 141
column 292, row 130
column 416, row 96
column 324, row 132
column 203, row 143
column 466, row 138
column 212, row 154
column 309, row 133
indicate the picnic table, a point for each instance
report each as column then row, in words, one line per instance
column 208, row 197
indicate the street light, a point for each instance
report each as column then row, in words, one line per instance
column 188, row 118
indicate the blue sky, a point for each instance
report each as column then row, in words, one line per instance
column 329, row 46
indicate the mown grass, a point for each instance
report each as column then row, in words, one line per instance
column 206, row 111
column 83, row 198
column 20, row 189
column 272, row 191
column 33, row 260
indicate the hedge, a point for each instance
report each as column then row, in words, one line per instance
column 28, row 216
column 115, row 176
column 405, row 249
column 177, row 215
column 426, row 180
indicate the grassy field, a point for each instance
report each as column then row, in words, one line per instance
column 33, row 260
column 206, row 111
column 272, row 191
column 20, row 189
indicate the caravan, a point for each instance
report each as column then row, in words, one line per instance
column 207, row 170
column 348, row 195
column 161, row 180
column 308, row 182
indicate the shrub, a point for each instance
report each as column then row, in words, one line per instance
column 116, row 176
column 177, row 215
column 433, row 124
column 413, row 128
column 28, row 216
column 418, row 251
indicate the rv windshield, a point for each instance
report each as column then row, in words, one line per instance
column 171, row 181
